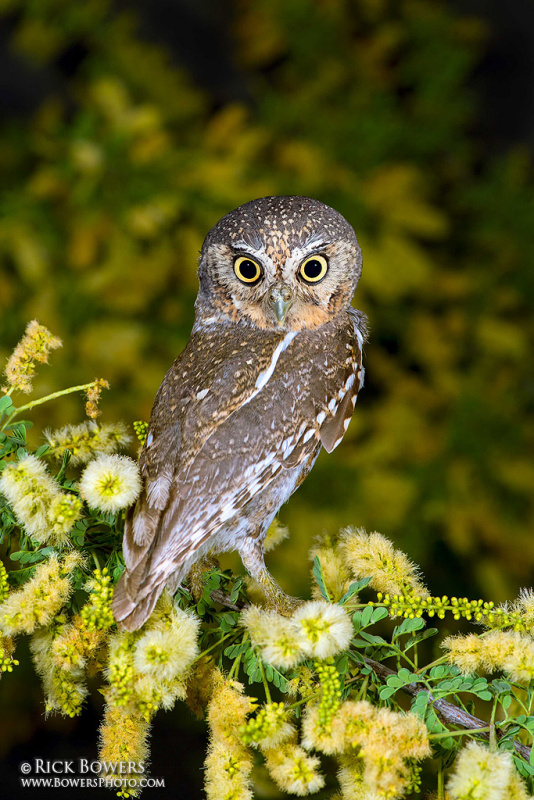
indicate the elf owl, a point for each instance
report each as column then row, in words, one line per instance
column 269, row 376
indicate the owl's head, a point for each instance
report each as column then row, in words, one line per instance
column 279, row 263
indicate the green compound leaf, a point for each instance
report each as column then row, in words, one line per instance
column 319, row 577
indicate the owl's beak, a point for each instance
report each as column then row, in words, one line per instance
column 281, row 300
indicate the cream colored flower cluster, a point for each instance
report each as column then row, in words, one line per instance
column 87, row 440
column 480, row 774
column 41, row 597
column 371, row 555
column 40, row 506
column 317, row 629
column 229, row 761
column 110, row 483
column 509, row 651
column 33, row 348
column 374, row 745
column 147, row 670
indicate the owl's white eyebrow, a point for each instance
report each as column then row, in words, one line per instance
column 314, row 240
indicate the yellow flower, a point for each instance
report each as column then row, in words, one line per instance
column 33, row 348
column 281, row 641
column 228, row 710
column 124, row 740
column 510, row 651
column 110, row 483
column 227, row 773
column 466, row 652
column 40, row 599
column 325, row 628
column 39, row 505
column 87, row 440
column 293, row 770
column 480, row 774
column 167, row 650
column 336, row 575
column 373, row 556
column 269, row 727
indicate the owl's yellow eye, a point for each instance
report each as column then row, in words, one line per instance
column 314, row 269
column 247, row 270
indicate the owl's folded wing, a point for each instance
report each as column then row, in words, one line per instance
column 229, row 441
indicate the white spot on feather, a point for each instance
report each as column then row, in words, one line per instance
column 264, row 376
column 149, row 439
column 332, row 404
column 308, row 435
column 158, row 491
column 321, row 417
column 202, row 394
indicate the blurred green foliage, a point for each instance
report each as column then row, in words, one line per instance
column 111, row 186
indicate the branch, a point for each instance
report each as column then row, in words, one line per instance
column 447, row 711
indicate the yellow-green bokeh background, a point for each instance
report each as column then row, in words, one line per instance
column 110, row 186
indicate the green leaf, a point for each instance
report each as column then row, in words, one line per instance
column 42, row 450
column 319, row 577
column 5, row 403
column 506, row 701
column 353, row 589
column 408, row 626
column 387, row 691
column 378, row 614
column 17, row 555
column 367, row 613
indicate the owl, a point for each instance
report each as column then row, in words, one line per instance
column 270, row 375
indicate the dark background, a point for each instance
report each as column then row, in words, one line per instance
column 129, row 128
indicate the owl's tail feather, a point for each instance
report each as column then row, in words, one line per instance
column 130, row 613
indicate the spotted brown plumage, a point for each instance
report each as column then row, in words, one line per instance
column 270, row 374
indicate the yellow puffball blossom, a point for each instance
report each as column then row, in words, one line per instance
column 293, row 770
column 315, row 736
column 40, row 599
column 64, row 511
column 282, row 642
column 337, row 576
column 87, row 440
column 166, row 651
column 39, row 505
column 351, row 780
column 326, row 629
column 124, row 740
column 74, row 645
column 229, row 761
column 479, row 774
column 373, row 556
column 110, row 483
column 227, row 773
column 509, row 651
column 33, row 348
column 228, row 710
column 269, row 727
column 466, row 652
column 64, row 689
column 525, row 606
